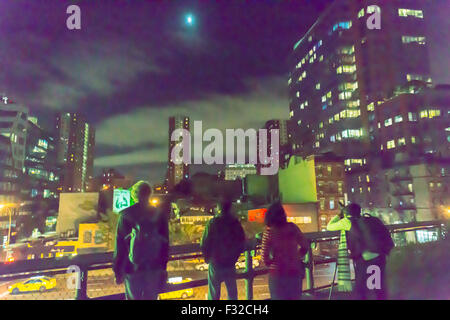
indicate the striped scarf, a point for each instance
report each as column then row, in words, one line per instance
column 343, row 264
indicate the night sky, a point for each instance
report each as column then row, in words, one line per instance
column 135, row 63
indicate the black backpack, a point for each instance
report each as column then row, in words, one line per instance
column 373, row 234
column 146, row 243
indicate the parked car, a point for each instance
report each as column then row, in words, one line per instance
column 241, row 264
column 179, row 294
column 39, row 283
column 202, row 266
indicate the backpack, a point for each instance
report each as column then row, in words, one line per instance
column 374, row 235
column 146, row 244
column 227, row 241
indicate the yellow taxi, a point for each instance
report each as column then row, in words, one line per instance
column 40, row 283
column 180, row 294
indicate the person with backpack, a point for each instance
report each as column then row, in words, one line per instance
column 283, row 249
column 222, row 243
column 142, row 247
column 369, row 243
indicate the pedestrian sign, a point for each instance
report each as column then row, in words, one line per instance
column 121, row 199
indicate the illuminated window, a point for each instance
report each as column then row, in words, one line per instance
column 408, row 39
column 373, row 8
column 370, row 107
column 346, row 69
column 410, row 13
column 342, row 25
column 318, row 86
column 388, row 122
column 412, row 116
column 361, row 13
column 390, row 144
column 398, row 119
column 401, row 142
column 413, row 139
column 345, row 95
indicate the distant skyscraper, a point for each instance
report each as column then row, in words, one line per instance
column 13, row 128
column 176, row 172
column 75, row 145
column 280, row 125
column 41, row 169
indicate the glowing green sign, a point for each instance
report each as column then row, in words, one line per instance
column 121, row 199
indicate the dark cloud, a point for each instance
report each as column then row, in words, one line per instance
column 135, row 63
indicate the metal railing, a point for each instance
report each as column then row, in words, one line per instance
column 91, row 262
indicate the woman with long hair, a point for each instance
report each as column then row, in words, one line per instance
column 283, row 249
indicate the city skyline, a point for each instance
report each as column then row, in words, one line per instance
column 132, row 67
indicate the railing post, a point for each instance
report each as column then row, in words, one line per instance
column 309, row 270
column 82, row 287
column 249, row 278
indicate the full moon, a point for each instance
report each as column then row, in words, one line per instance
column 189, row 19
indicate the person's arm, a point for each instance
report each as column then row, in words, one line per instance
column 337, row 223
column 204, row 242
column 265, row 247
column 303, row 242
column 164, row 232
column 121, row 250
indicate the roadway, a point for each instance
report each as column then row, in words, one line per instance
column 101, row 283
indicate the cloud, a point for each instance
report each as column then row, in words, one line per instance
column 149, row 124
column 95, row 68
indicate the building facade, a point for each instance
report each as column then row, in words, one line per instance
column 176, row 172
column 238, row 171
column 41, row 176
column 75, row 148
column 13, row 135
column 340, row 67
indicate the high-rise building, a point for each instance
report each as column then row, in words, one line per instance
column 282, row 155
column 340, row 67
column 176, row 172
column 407, row 176
column 41, row 176
column 75, row 147
column 354, row 92
column 13, row 134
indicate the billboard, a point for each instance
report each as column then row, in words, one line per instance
column 76, row 208
column 121, row 200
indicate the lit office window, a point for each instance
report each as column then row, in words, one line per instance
column 388, row 122
column 401, row 142
column 361, row 13
column 398, row 119
column 408, row 39
column 391, row 144
column 410, row 13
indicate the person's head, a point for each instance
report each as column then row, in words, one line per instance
column 141, row 192
column 275, row 215
column 353, row 210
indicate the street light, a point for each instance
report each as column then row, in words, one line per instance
column 9, row 206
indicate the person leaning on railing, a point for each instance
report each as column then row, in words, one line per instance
column 282, row 256
column 369, row 243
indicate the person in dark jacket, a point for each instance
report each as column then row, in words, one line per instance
column 222, row 243
column 364, row 260
column 142, row 282
column 283, row 249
